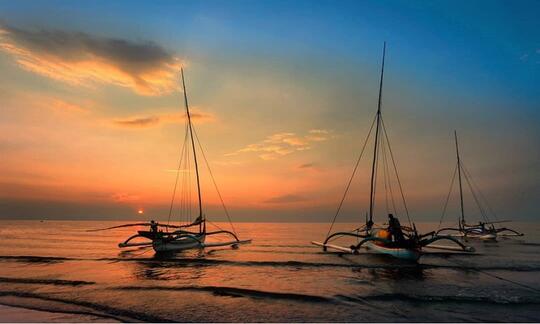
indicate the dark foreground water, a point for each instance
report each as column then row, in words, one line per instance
column 74, row 275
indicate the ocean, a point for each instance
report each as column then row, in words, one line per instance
column 56, row 271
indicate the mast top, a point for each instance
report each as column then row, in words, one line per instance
column 381, row 81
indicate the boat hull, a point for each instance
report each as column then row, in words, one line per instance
column 184, row 243
column 400, row 253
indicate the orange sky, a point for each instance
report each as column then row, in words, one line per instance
column 92, row 127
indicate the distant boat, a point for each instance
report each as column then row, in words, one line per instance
column 167, row 237
column 484, row 230
column 403, row 242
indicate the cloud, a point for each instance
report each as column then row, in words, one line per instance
column 82, row 59
column 318, row 135
column 138, row 122
column 64, row 106
column 156, row 120
column 282, row 144
column 284, row 199
column 122, row 197
column 306, row 166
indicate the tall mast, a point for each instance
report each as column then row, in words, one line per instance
column 462, row 222
column 375, row 149
column 192, row 143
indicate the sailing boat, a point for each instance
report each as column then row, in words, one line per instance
column 167, row 237
column 403, row 242
column 484, row 230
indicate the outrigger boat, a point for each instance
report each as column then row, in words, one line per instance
column 484, row 230
column 403, row 242
column 164, row 237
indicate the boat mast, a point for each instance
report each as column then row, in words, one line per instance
column 375, row 149
column 462, row 221
column 193, row 147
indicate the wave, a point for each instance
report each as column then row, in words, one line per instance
column 392, row 297
column 299, row 264
column 34, row 259
column 58, row 282
column 235, row 292
column 111, row 312
column 60, row 311
column 529, row 244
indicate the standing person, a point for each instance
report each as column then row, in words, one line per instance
column 153, row 227
column 394, row 227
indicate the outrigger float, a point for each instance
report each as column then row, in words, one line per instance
column 484, row 230
column 403, row 242
column 164, row 237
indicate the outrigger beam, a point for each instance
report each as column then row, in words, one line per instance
column 225, row 243
column 123, row 245
column 344, row 234
column 127, row 244
column 463, row 247
column 450, row 248
column 335, row 247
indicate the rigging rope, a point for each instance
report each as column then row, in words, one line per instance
column 480, row 207
column 397, row 175
column 177, row 176
column 390, row 186
column 214, row 181
column 482, row 212
column 351, row 178
column 448, row 197
column 376, row 173
column 185, row 164
column 477, row 188
column 189, row 219
column 385, row 178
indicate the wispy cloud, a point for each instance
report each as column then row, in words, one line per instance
column 83, row 59
column 123, row 197
column 306, row 166
column 281, row 144
column 285, row 199
column 139, row 122
column 65, row 106
column 531, row 56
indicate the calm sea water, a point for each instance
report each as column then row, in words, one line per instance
column 58, row 267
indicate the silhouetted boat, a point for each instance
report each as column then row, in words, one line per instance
column 484, row 230
column 167, row 237
column 403, row 242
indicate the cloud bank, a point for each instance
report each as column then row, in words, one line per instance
column 82, row 59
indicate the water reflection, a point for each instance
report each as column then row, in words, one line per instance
column 396, row 274
column 171, row 265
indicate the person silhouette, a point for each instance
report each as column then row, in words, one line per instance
column 394, row 227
